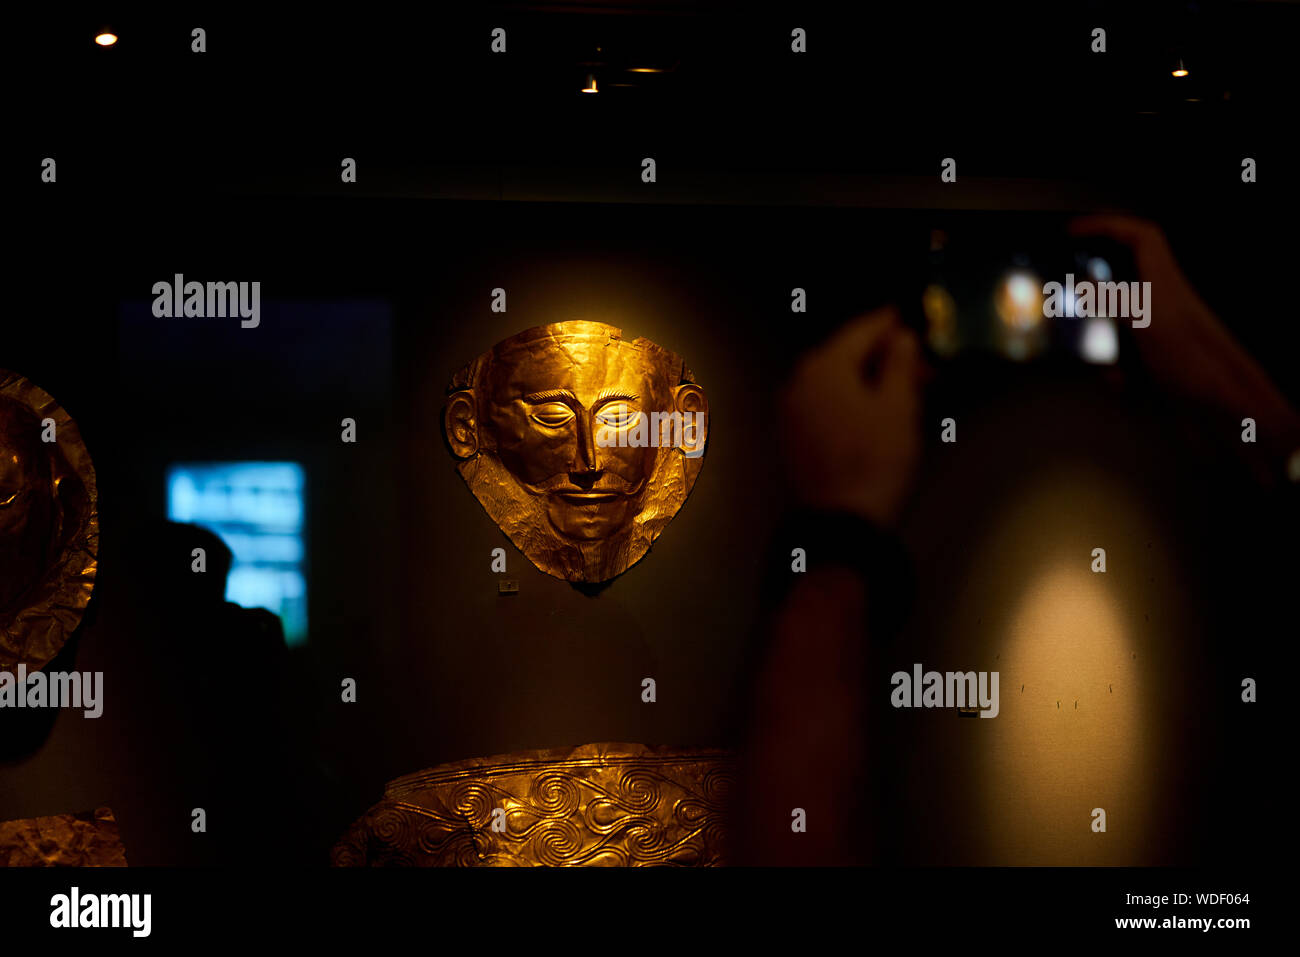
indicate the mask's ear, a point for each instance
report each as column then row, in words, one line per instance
column 460, row 422
column 689, row 400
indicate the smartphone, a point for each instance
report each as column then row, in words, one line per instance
column 1026, row 291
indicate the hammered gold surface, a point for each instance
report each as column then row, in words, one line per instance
column 49, row 525
column 581, row 445
column 89, row 839
column 598, row 804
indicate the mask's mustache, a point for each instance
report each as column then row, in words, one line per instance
column 608, row 483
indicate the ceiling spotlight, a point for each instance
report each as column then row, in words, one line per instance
column 591, row 84
column 644, row 69
column 106, row 38
column 1180, row 70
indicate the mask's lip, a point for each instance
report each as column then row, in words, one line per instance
column 582, row 497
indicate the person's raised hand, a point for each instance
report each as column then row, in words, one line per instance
column 1191, row 353
column 850, row 418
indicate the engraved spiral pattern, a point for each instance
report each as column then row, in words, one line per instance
column 557, row 842
column 640, row 789
column 473, row 800
column 555, row 794
column 392, row 826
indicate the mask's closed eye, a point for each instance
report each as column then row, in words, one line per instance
column 553, row 415
column 616, row 415
column 9, row 500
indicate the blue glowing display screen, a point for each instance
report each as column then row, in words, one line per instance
column 256, row 508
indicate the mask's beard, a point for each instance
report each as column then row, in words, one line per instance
column 524, row 513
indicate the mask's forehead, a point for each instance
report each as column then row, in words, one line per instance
column 584, row 364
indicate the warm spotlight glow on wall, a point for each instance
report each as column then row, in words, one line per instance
column 1069, row 742
column 106, row 39
column 1080, row 725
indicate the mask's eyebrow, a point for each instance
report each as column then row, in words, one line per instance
column 607, row 394
column 550, row 394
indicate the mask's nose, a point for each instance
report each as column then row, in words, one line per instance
column 587, row 469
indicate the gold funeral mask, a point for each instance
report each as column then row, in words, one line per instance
column 580, row 444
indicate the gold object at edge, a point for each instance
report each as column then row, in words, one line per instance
column 88, row 839
column 40, row 618
column 616, row 805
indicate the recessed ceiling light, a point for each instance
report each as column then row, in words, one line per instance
column 106, row 39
